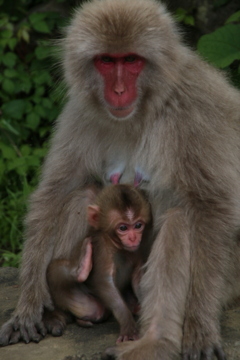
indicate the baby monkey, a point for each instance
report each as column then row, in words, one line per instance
column 92, row 285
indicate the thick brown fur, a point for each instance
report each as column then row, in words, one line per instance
column 185, row 135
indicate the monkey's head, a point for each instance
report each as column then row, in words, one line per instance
column 121, row 212
column 116, row 50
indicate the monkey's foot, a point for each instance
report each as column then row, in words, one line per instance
column 200, row 344
column 204, row 354
column 16, row 330
column 55, row 321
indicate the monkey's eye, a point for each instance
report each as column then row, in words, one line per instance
column 130, row 58
column 122, row 227
column 138, row 225
column 106, row 59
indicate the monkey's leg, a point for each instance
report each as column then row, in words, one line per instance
column 53, row 319
column 55, row 225
column 212, row 261
column 164, row 291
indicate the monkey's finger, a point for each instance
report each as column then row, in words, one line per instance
column 15, row 337
column 119, row 340
column 33, row 334
column 41, row 329
column 55, row 327
column 5, row 333
column 15, row 324
column 192, row 354
column 219, row 353
column 24, row 334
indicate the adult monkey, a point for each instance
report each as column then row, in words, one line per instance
column 175, row 119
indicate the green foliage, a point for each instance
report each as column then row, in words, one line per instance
column 28, row 110
column 222, row 47
column 182, row 15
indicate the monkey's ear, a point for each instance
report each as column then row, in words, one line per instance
column 93, row 215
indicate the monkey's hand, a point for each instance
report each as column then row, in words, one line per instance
column 19, row 328
column 201, row 343
column 143, row 349
column 129, row 337
column 128, row 333
column 85, row 262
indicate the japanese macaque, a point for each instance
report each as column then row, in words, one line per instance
column 140, row 99
column 117, row 220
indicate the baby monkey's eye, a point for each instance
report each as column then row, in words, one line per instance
column 138, row 225
column 122, row 227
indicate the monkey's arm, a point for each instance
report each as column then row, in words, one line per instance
column 54, row 225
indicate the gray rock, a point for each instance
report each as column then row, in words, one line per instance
column 86, row 344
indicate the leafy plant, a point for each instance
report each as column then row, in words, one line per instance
column 184, row 16
column 222, row 47
column 26, row 116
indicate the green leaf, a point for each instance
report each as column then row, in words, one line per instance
column 8, row 86
column 33, row 121
column 222, row 46
column 42, row 52
column 33, row 161
column 189, row 20
column 18, row 164
column 38, row 109
column 10, row 73
column 9, row 59
column 3, row 21
column 7, row 151
column 38, row 22
column 40, row 90
column 40, row 152
column 47, row 103
column 180, row 14
column 25, row 150
column 14, row 109
column 23, row 33
column 6, row 125
column 42, row 27
column 233, row 18
column 26, row 85
column 12, row 43
column 6, row 34
column 37, row 16
column 42, row 77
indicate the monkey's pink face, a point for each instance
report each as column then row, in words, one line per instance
column 130, row 234
column 120, row 73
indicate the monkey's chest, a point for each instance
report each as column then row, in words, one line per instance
column 123, row 271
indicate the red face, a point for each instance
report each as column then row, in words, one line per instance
column 120, row 73
column 130, row 234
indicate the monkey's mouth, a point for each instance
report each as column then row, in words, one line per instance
column 131, row 248
column 122, row 112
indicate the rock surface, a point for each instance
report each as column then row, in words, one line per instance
column 86, row 344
